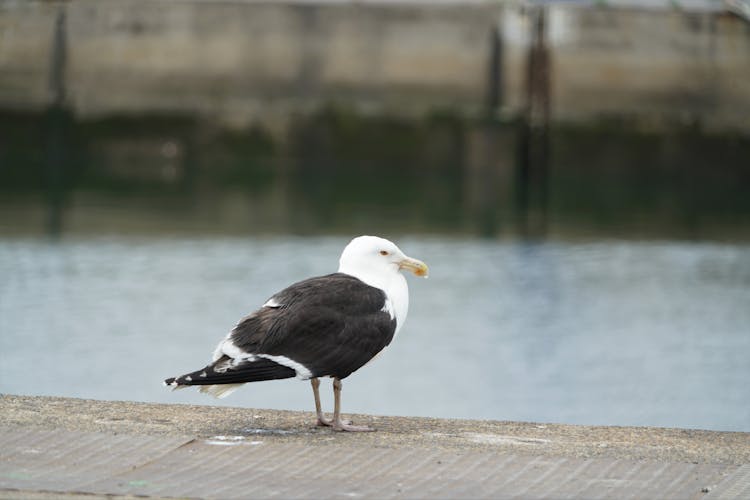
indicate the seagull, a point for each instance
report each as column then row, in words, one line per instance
column 326, row 326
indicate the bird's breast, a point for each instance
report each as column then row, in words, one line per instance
column 397, row 292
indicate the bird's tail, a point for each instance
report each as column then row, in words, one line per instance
column 224, row 376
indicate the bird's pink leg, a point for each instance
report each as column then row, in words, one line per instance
column 339, row 424
column 322, row 421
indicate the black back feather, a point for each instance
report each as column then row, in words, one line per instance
column 332, row 325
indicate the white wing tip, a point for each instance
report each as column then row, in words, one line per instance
column 174, row 385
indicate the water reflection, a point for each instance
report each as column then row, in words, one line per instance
column 339, row 172
column 616, row 333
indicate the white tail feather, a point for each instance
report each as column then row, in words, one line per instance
column 220, row 391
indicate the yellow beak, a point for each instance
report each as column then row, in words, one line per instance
column 416, row 266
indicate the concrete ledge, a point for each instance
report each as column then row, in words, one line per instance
column 50, row 446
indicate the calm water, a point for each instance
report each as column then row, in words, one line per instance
column 616, row 333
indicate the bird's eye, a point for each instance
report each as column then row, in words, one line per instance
column 383, row 252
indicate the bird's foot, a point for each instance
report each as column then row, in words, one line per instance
column 324, row 422
column 345, row 425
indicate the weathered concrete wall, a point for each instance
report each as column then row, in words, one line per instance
column 241, row 61
column 26, row 31
column 681, row 66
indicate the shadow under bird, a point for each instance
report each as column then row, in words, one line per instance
column 327, row 326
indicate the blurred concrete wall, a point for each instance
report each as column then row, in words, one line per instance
column 242, row 62
column 668, row 64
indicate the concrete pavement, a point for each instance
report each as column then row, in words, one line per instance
column 60, row 446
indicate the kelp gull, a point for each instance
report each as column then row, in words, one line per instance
column 324, row 326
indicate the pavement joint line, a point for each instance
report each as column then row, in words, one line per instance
column 113, row 457
column 136, row 469
column 737, row 485
column 173, row 474
column 207, row 454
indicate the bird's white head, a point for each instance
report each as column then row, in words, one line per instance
column 368, row 257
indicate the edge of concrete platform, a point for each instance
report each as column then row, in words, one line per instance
column 190, row 421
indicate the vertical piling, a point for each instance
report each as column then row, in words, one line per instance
column 495, row 80
column 490, row 154
column 533, row 157
column 56, row 129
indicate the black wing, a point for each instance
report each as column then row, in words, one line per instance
column 331, row 325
